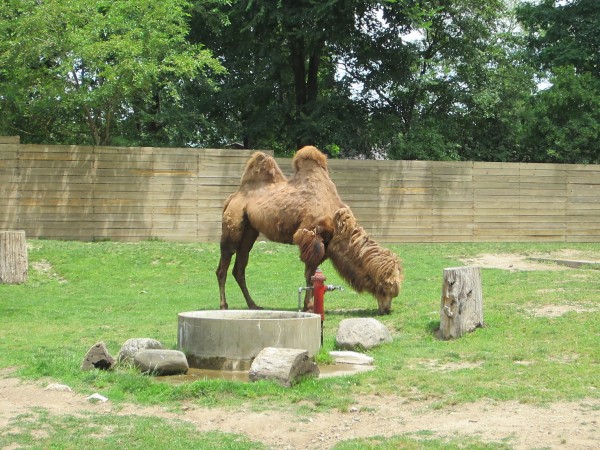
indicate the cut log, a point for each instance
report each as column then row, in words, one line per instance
column 13, row 257
column 283, row 365
column 462, row 302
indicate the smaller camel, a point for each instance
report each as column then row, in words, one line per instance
column 307, row 211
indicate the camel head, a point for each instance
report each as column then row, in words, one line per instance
column 388, row 289
column 362, row 262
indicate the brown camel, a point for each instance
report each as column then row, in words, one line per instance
column 307, row 211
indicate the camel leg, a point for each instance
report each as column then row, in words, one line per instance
column 309, row 271
column 241, row 261
column 222, row 268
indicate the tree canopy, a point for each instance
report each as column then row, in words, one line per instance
column 393, row 79
column 97, row 71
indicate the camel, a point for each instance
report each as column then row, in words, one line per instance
column 306, row 211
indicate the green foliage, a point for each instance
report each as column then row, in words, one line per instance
column 97, row 70
column 564, row 125
column 564, row 34
column 386, row 79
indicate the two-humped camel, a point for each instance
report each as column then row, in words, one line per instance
column 307, row 211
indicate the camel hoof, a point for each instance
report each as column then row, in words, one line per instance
column 255, row 307
column 225, row 306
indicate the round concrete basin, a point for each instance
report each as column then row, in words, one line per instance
column 230, row 340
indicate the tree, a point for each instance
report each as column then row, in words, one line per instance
column 87, row 70
column 564, row 44
column 564, row 121
column 563, row 33
column 437, row 78
column 280, row 90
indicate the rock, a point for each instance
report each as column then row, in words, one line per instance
column 97, row 357
column 349, row 357
column 58, row 387
column 96, row 398
column 161, row 362
column 283, row 365
column 363, row 333
column 133, row 346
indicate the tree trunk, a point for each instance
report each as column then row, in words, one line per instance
column 297, row 55
column 13, row 257
column 462, row 302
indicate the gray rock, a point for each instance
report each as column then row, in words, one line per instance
column 349, row 357
column 58, row 387
column 133, row 346
column 283, row 365
column 96, row 398
column 97, row 357
column 161, row 362
column 363, row 333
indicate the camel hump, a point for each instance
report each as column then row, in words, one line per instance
column 309, row 153
column 262, row 168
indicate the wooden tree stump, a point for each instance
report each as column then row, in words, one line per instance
column 13, row 257
column 462, row 302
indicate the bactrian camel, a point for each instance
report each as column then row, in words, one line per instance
column 307, row 211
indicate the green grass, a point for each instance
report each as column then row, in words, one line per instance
column 415, row 443
column 80, row 293
column 40, row 430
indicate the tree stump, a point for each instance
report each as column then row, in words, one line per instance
column 462, row 302
column 13, row 257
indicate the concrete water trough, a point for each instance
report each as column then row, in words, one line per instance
column 230, row 340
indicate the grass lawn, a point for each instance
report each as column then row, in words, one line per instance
column 80, row 293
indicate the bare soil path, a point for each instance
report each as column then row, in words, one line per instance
column 565, row 425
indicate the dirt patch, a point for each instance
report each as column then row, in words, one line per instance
column 538, row 261
column 440, row 366
column 559, row 425
column 559, row 310
column 510, row 261
column 46, row 269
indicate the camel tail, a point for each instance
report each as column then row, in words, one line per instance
column 262, row 168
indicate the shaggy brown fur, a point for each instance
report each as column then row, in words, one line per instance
column 297, row 211
column 362, row 262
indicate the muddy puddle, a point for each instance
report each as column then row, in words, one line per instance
column 327, row 370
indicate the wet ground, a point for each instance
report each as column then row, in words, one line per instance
column 327, row 370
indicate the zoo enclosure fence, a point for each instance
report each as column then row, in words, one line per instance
column 177, row 194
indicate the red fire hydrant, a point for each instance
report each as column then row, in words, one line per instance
column 319, row 288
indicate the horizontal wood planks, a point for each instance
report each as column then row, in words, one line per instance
column 94, row 193
column 87, row 193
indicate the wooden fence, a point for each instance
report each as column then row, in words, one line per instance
column 176, row 194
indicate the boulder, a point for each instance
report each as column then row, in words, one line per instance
column 97, row 357
column 58, row 387
column 349, row 357
column 283, row 365
column 161, row 362
column 363, row 333
column 133, row 346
